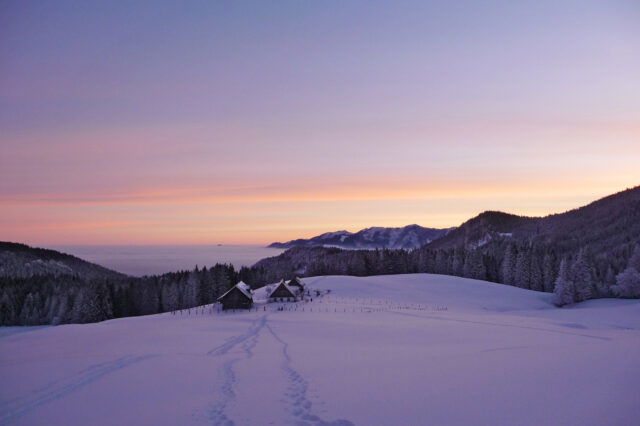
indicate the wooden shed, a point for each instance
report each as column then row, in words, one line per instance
column 296, row 283
column 238, row 297
column 284, row 293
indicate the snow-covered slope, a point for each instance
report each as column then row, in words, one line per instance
column 409, row 349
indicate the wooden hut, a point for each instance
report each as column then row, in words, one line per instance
column 296, row 283
column 284, row 293
column 238, row 297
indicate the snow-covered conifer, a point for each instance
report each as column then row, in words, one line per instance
column 582, row 277
column 627, row 283
column 564, row 289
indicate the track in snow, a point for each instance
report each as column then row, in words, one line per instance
column 297, row 387
column 19, row 406
column 297, row 392
column 226, row 374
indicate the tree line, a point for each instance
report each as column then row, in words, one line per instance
column 61, row 299
column 574, row 274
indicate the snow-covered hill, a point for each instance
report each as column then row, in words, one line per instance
column 407, row 349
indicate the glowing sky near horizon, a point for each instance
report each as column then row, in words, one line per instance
column 206, row 122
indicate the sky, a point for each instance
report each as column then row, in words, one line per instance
column 247, row 122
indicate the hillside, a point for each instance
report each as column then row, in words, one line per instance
column 409, row 349
column 407, row 237
column 22, row 261
column 482, row 229
column 41, row 287
column 604, row 223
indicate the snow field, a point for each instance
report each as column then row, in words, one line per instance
column 388, row 350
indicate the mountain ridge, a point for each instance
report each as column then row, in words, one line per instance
column 410, row 236
column 575, row 224
column 21, row 260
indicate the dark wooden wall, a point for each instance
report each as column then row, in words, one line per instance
column 236, row 300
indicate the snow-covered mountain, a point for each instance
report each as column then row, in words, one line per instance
column 410, row 236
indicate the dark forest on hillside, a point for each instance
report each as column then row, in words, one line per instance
column 60, row 299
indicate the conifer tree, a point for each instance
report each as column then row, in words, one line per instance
column 523, row 269
column 62, row 313
column 548, row 273
column 628, row 281
column 634, row 260
column 582, row 277
column 458, row 262
column 535, row 273
column 441, row 262
column 8, row 312
column 169, row 296
column 30, row 314
column 474, row 265
column 564, row 290
column 356, row 265
column 508, row 265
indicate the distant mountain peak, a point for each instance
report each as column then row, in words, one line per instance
column 407, row 237
column 328, row 235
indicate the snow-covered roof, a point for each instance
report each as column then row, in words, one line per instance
column 243, row 287
column 295, row 281
column 282, row 283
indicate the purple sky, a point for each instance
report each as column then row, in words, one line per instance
column 206, row 122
